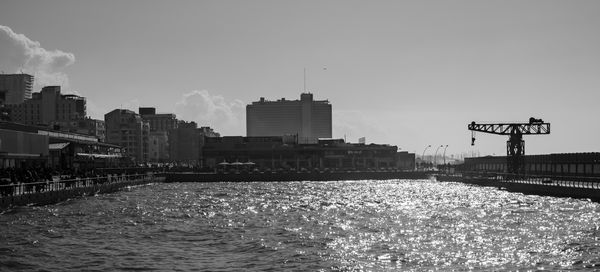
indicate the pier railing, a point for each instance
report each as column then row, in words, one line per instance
column 584, row 182
column 61, row 184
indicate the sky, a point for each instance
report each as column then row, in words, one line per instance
column 405, row 73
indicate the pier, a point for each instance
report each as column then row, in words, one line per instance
column 546, row 185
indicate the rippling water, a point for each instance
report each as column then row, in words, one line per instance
column 350, row 225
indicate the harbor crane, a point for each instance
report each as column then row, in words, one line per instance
column 515, row 146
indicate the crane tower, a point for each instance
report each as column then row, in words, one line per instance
column 515, row 146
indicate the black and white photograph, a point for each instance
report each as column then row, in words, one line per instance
column 306, row 135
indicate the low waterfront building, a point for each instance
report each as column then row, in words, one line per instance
column 582, row 164
column 21, row 149
column 284, row 152
column 32, row 146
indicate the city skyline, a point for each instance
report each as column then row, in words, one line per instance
column 409, row 73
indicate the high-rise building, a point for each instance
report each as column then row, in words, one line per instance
column 309, row 119
column 127, row 129
column 50, row 107
column 15, row 88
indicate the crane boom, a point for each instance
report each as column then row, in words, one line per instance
column 515, row 146
column 511, row 128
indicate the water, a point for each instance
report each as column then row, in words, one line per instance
column 307, row 226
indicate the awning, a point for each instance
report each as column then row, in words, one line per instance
column 57, row 146
column 99, row 156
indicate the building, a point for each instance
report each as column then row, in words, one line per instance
column 160, row 125
column 51, row 108
column 24, row 146
column 307, row 118
column 284, row 152
column 91, row 127
column 22, row 149
column 186, row 142
column 158, row 122
column 561, row 164
column 158, row 146
column 15, row 88
column 127, row 129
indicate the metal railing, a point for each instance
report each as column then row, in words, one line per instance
column 545, row 180
column 59, row 184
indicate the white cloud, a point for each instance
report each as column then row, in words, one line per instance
column 355, row 124
column 224, row 116
column 19, row 53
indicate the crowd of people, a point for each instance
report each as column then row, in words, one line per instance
column 38, row 179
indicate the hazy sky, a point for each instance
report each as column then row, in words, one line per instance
column 407, row 73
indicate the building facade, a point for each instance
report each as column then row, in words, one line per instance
column 186, row 142
column 158, row 122
column 127, row 129
column 15, row 88
column 284, row 152
column 158, row 144
column 51, row 108
column 563, row 164
column 93, row 127
column 307, row 118
column 160, row 125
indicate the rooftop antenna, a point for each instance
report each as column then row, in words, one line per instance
column 304, row 79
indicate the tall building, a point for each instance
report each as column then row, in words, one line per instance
column 50, row 107
column 160, row 125
column 127, row 129
column 15, row 88
column 309, row 119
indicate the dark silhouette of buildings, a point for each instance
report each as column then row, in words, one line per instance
column 285, row 152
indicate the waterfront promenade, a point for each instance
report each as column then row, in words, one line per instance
column 57, row 189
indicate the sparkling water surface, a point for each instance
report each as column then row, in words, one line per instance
column 403, row 225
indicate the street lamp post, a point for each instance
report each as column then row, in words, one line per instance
column 435, row 157
column 423, row 156
column 445, row 154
